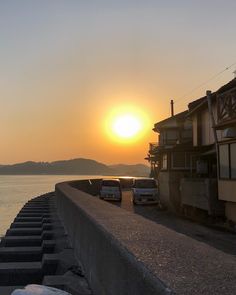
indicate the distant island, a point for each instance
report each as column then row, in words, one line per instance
column 78, row 166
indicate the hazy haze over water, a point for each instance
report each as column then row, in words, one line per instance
column 15, row 191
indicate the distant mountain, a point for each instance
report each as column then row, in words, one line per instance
column 72, row 167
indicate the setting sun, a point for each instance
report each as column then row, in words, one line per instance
column 126, row 126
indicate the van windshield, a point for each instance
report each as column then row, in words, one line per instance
column 145, row 183
column 110, row 183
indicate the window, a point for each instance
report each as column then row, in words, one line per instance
column 224, row 160
column 227, row 160
column 186, row 134
column 164, row 162
column 145, row 183
column 233, row 160
column 172, row 135
column 180, row 160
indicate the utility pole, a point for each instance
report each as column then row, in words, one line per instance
column 172, row 107
column 208, row 94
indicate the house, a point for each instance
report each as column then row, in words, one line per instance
column 170, row 156
column 226, row 125
column 194, row 158
column 214, row 128
column 199, row 192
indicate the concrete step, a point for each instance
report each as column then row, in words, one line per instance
column 35, row 202
column 50, row 263
column 40, row 207
column 37, row 219
column 47, row 226
column 24, row 231
column 53, row 219
column 32, row 225
column 41, row 202
column 21, row 241
column 28, row 219
column 30, row 210
column 26, row 240
column 20, row 273
column 33, row 215
column 47, row 234
column 20, row 254
column 48, row 246
column 26, row 224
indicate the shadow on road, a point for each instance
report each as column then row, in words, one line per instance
column 220, row 240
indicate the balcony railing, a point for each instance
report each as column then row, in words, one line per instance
column 226, row 106
column 153, row 146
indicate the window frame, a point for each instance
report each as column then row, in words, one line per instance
column 162, row 158
column 228, row 144
column 185, row 167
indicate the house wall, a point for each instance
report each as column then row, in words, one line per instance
column 169, row 185
column 195, row 130
column 207, row 131
column 201, row 193
column 163, row 181
column 230, row 211
column 175, row 194
column 203, row 120
column 227, row 190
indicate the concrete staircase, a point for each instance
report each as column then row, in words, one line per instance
column 35, row 250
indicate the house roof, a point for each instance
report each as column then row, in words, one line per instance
column 196, row 103
column 200, row 103
column 228, row 86
column 178, row 117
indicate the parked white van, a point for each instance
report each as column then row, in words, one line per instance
column 145, row 190
column 111, row 190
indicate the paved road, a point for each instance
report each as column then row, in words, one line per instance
column 221, row 240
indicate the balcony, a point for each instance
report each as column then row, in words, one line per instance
column 226, row 109
column 153, row 147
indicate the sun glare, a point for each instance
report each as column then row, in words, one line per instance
column 126, row 126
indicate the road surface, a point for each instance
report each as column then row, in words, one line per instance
column 221, row 240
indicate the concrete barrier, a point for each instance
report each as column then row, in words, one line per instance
column 37, row 252
column 115, row 255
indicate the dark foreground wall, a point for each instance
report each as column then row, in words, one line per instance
column 112, row 244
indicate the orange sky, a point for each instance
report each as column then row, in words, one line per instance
column 65, row 65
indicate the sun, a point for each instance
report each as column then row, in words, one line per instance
column 126, row 126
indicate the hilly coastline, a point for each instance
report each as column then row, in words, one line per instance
column 78, row 166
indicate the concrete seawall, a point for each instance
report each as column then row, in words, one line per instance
column 123, row 253
column 111, row 244
column 78, row 243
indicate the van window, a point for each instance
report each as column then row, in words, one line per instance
column 145, row 183
column 110, row 183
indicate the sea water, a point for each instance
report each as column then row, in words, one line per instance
column 15, row 191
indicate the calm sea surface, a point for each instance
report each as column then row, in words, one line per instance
column 16, row 190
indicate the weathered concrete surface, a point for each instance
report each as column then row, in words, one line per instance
column 35, row 248
column 109, row 265
column 124, row 253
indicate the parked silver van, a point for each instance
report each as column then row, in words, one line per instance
column 111, row 190
column 145, row 190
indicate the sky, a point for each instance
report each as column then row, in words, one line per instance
column 67, row 68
